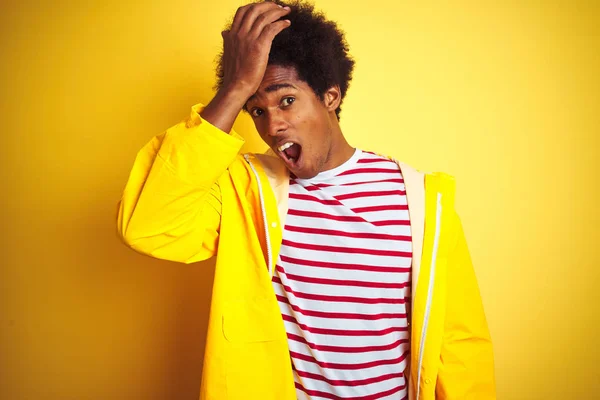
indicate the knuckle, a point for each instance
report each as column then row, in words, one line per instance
column 239, row 11
column 276, row 27
column 261, row 19
column 256, row 46
column 270, row 28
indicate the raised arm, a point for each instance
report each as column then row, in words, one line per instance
column 171, row 205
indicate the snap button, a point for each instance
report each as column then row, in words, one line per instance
column 274, row 225
column 428, row 381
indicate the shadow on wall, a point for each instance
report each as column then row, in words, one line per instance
column 144, row 319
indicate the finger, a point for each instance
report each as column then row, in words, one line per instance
column 239, row 17
column 265, row 19
column 272, row 30
column 253, row 12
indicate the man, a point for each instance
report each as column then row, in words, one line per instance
column 340, row 274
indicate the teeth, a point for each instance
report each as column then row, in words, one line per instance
column 285, row 146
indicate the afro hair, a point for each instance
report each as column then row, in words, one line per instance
column 314, row 46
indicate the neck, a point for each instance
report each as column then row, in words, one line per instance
column 340, row 150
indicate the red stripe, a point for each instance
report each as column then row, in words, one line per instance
column 311, row 187
column 372, row 160
column 343, row 282
column 340, row 382
column 390, row 207
column 353, row 366
column 345, row 349
column 393, row 180
column 325, row 314
column 318, row 393
column 360, row 235
column 311, row 214
column 350, row 267
column 346, row 218
column 376, row 193
column 350, row 250
column 391, row 223
column 370, row 171
column 315, row 199
column 317, row 186
column 332, row 396
column 344, row 332
column 340, row 299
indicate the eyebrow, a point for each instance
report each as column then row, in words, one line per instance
column 273, row 88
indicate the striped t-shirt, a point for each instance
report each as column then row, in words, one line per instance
column 343, row 281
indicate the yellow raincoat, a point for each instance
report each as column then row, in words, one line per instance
column 191, row 196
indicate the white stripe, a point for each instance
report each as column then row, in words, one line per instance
column 351, row 242
column 333, row 357
column 349, row 341
column 344, row 374
column 345, row 290
column 346, row 324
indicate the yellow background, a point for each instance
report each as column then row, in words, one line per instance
column 504, row 95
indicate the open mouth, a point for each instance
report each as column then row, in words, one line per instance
column 290, row 152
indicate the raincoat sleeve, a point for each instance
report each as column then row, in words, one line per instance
column 467, row 361
column 171, row 204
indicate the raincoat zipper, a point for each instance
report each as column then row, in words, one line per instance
column 438, row 217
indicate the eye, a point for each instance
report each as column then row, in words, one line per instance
column 256, row 112
column 287, row 101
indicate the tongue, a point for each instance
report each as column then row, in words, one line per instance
column 293, row 152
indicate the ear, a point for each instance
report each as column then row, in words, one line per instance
column 332, row 98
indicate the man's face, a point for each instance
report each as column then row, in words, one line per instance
column 292, row 120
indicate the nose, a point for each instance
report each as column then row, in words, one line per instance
column 276, row 124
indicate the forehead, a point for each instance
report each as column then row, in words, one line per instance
column 277, row 77
column 278, row 74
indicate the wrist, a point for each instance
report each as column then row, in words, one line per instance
column 237, row 94
column 224, row 108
